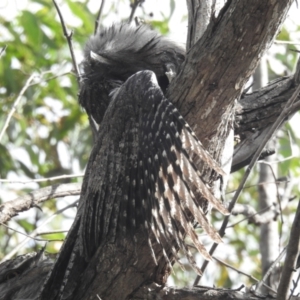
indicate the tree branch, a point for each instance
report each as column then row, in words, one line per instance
column 271, row 268
column 36, row 231
column 203, row 92
column 68, row 36
column 241, row 272
column 134, row 6
column 25, row 87
column 292, row 252
column 11, row 208
column 196, row 293
column 199, row 14
column 257, row 111
column 2, row 51
column 46, row 179
column 269, row 213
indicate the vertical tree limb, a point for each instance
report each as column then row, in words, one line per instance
column 292, row 252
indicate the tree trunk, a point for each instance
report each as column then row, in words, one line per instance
column 269, row 239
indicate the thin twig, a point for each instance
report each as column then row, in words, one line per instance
column 97, row 22
column 27, row 235
column 12, row 111
column 69, row 39
column 52, row 232
column 285, row 112
column 295, row 285
column 258, row 184
column 292, row 252
column 50, row 78
column 3, row 50
column 272, row 266
column 277, row 192
column 284, row 159
column 42, row 179
column 241, row 272
column 28, row 84
column 138, row 21
column 134, row 6
column 251, row 215
column 295, row 107
column 286, row 42
column 36, row 231
column 75, row 66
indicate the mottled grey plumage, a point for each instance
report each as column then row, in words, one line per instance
column 118, row 52
column 158, row 182
column 141, row 173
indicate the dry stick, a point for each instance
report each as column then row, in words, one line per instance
column 42, row 179
column 50, row 78
column 295, row 283
column 277, row 194
column 26, row 86
column 291, row 258
column 259, row 184
column 9, row 209
column 286, row 42
column 241, row 272
column 12, row 111
column 69, row 39
column 36, row 231
column 27, row 235
column 133, row 9
column 3, row 50
column 268, row 273
column 52, row 232
column 251, row 215
column 272, row 130
column 97, row 22
column 295, row 107
column 75, row 66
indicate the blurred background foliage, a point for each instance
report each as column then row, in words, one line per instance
column 49, row 134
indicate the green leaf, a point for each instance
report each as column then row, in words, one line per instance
column 80, row 10
column 32, row 29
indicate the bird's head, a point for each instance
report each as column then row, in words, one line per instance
column 116, row 53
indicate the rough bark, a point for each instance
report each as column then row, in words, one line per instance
column 256, row 112
column 221, row 62
column 21, row 277
column 203, row 293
